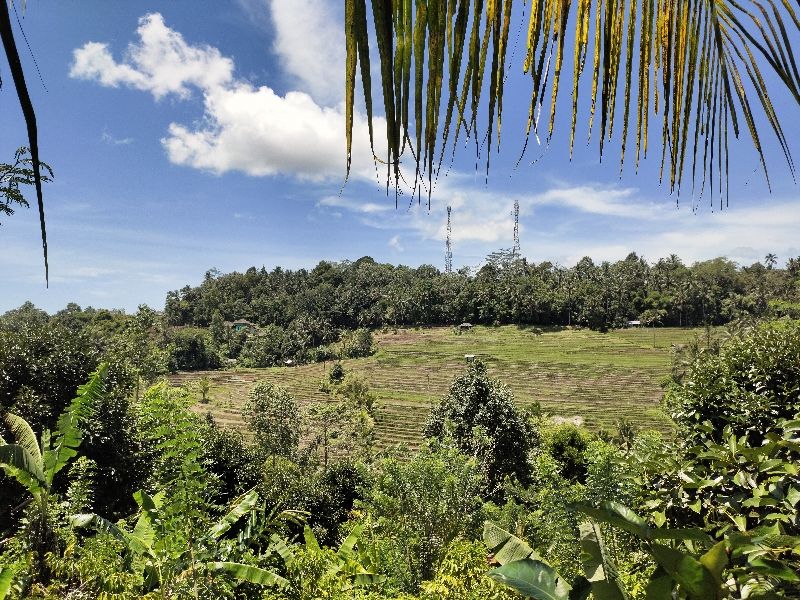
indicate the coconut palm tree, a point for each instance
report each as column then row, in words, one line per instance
column 706, row 66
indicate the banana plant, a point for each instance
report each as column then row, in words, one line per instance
column 162, row 563
column 348, row 565
column 35, row 463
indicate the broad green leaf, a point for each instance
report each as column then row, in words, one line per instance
column 310, row 539
column 19, row 464
column 618, row 515
column 715, row 560
column 241, row 507
column 6, row 578
column 598, row 565
column 505, row 546
column 532, row 578
column 690, row 573
column 250, row 573
column 24, row 436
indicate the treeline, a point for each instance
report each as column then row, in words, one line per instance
column 506, row 290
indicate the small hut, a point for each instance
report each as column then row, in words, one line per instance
column 242, row 325
column 465, row 327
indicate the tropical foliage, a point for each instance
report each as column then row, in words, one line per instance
column 308, row 509
column 704, row 66
column 300, row 313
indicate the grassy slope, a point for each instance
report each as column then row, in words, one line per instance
column 598, row 377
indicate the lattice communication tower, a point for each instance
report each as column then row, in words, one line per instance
column 448, row 248
column 515, row 248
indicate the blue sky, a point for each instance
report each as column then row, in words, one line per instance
column 186, row 136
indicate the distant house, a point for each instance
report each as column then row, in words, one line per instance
column 242, row 325
column 288, row 362
column 633, row 324
column 465, row 327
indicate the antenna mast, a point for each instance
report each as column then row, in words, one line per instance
column 448, row 252
column 515, row 249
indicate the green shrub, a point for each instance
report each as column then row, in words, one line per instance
column 480, row 416
column 274, row 417
column 753, row 382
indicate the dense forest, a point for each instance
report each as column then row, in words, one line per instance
column 506, row 290
column 115, row 489
column 302, row 315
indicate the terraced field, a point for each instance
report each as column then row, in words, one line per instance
column 594, row 377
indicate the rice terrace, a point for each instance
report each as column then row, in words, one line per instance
column 591, row 378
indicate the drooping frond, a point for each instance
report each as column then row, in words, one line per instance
column 24, row 436
column 18, row 75
column 17, row 462
column 241, row 507
column 707, row 67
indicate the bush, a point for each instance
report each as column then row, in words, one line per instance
column 192, row 349
column 418, row 506
column 264, row 349
column 567, row 444
column 356, row 344
column 274, row 418
column 479, row 415
column 753, row 382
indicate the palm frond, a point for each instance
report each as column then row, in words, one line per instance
column 704, row 66
column 18, row 75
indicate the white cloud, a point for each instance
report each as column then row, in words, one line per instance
column 110, row 139
column 244, row 127
column 607, row 201
column 368, row 208
column 161, row 62
column 309, row 39
column 394, row 242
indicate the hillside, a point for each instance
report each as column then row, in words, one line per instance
column 595, row 377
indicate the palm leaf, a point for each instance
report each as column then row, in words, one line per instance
column 18, row 75
column 702, row 66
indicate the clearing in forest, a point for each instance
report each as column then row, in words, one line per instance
column 590, row 377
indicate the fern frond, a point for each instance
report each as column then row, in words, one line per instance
column 68, row 435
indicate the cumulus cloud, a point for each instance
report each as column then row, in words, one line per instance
column 394, row 242
column 161, row 63
column 244, row 127
column 309, row 39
